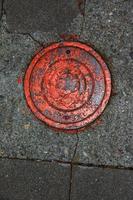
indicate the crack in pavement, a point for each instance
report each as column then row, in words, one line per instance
column 83, row 20
column 90, row 165
column 4, row 15
column 71, row 167
column 71, row 179
column 4, row 23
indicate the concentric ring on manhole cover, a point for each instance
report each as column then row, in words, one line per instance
column 67, row 85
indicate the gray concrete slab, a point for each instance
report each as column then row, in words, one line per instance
column 0, row 8
column 21, row 134
column 45, row 16
column 26, row 180
column 101, row 184
column 108, row 28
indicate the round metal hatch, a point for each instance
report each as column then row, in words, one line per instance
column 67, row 85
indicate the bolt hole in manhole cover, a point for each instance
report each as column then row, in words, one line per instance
column 67, row 85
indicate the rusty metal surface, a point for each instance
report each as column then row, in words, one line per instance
column 67, row 85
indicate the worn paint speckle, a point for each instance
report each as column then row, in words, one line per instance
column 19, row 80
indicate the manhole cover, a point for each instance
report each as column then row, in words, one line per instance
column 67, row 85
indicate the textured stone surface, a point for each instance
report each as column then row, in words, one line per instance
column 108, row 27
column 33, row 180
column 21, row 134
column 0, row 8
column 102, row 184
column 46, row 16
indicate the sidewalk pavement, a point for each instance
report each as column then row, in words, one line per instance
column 107, row 26
column 31, row 180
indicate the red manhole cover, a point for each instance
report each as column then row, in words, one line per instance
column 67, row 85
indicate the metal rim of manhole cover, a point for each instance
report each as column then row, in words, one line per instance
column 67, row 85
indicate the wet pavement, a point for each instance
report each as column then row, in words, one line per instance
column 24, row 27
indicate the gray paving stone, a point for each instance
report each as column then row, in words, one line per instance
column 46, row 16
column 108, row 27
column 25, row 180
column 102, row 184
column 0, row 8
column 21, row 134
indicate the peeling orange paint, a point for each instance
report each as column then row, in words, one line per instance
column 67, row 37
